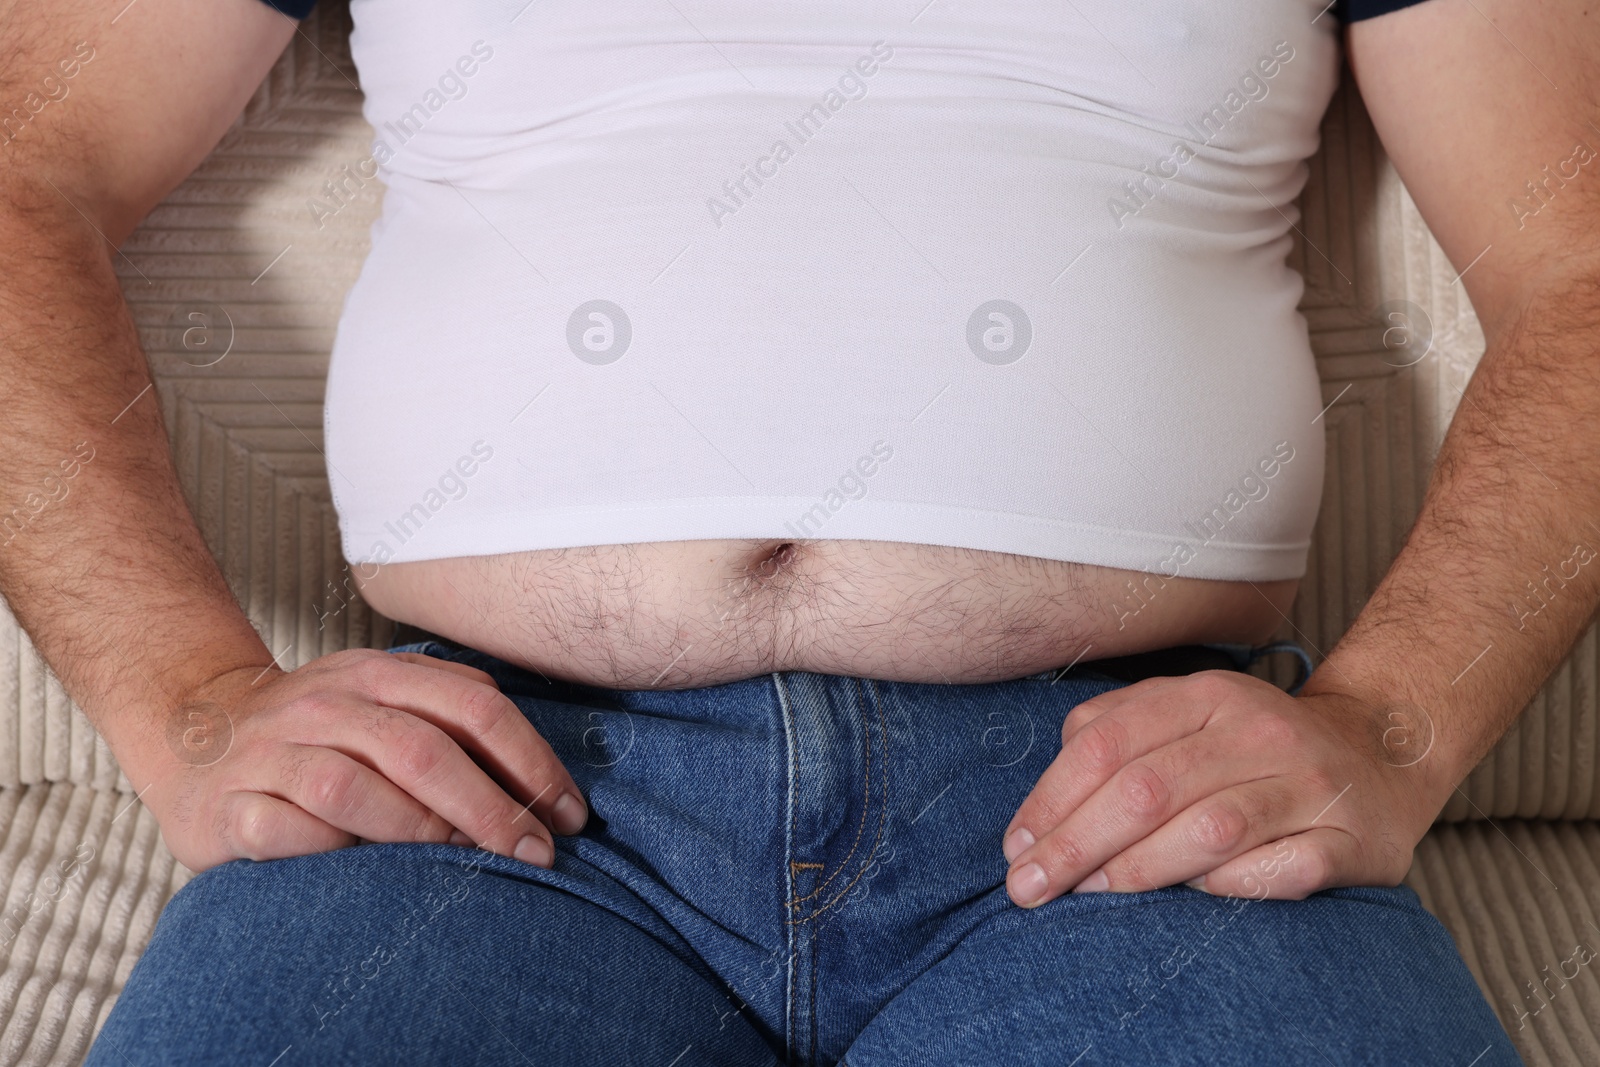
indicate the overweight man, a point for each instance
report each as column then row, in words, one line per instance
column 837, row 461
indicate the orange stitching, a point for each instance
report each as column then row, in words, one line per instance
column 866, row 803
column 883, row 813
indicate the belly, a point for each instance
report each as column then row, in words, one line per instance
column 679, row 614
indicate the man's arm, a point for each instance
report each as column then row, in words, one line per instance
column 113, row 580
column 1504, row 165
column 108, row 105
column 1224, row 781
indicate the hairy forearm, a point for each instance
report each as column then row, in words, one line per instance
column 100, row 559
column 1501, row 572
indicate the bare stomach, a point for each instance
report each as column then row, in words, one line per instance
column 678, row 614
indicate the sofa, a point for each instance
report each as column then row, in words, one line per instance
column 236, row 282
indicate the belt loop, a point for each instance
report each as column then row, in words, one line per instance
column 1305, row 668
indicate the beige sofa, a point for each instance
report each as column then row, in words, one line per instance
column 1513, row 869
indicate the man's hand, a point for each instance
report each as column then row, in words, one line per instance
column 1223, row 777
column 358, row 744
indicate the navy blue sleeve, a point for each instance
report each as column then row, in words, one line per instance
column 1346, row 10
column 297, row 9
column 1356, row 10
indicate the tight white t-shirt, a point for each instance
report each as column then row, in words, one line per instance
column 1007, row 276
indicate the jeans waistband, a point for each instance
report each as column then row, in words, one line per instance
column 1134, row 667
column 1188, row 659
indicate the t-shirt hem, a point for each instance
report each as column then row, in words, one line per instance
column 441, row 535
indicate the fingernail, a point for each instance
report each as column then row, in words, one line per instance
column 1016, row 843
column 1197, row 883
column 569, row 814
column 533, row 850
column 1028, row 884
column 1095, row 883
column 459, row 838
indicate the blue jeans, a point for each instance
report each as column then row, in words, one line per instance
column 796, row 868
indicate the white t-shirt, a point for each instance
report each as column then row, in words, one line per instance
column 1009, row 276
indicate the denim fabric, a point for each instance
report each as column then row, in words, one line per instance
column 796, row 868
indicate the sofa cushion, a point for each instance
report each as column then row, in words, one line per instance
column 1522, row 900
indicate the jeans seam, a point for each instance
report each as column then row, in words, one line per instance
column 883, row 812
column 866, row 809
column 786, row 887
column 811, row 1051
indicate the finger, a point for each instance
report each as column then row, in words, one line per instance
column 1293, row 867
column 1196, row 688
column 427, row 763
column 484, row 721
column 1138, row 801
column 1089, row 710
column 350, row 796
column 1220, row 826
column 452, row 666
column 1089, row 758
column 255, row 826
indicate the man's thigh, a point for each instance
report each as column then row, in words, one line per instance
column 1351, row 976
column 402, row 954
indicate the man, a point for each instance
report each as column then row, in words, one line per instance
column 724, row 592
